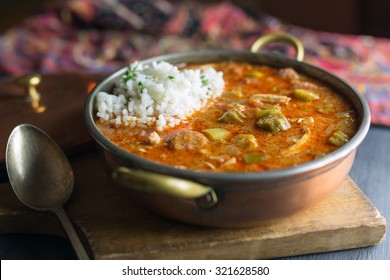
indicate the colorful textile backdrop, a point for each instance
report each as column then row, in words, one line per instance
column 98, row 36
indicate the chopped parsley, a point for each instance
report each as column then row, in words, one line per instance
column 130, row 74
column 203, row 81
column 141, row 87
column 171, row 77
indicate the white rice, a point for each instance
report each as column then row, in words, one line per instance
column 158, row 95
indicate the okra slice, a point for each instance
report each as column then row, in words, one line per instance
column 267, row 111
column 338, row 139
column 275, row 122
column 234, row 115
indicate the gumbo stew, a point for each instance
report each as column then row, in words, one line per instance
column 265, row 119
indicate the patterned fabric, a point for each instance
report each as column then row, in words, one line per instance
column 104, row 35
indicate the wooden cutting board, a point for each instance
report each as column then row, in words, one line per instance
column 113, row 228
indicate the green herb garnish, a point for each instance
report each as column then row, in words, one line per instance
column 203, row 80
column 141, row 86
column 130, row 73
column 171, row 77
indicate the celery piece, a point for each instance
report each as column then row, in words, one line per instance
column 256, row 74
column 246, row 141
column 338, row 139
column 216, row 134
column 275, row 122
column 231, row 116
column 267, row 111
column 231, row 150
column 255, row 157
column 305, row 95
column 234, row 115
column 346, row 125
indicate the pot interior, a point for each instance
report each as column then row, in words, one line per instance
column 276, row 61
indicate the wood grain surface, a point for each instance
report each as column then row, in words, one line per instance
column 113, row 228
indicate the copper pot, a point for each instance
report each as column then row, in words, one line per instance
column 232, row 199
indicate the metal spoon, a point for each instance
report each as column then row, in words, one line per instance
column 41, row 175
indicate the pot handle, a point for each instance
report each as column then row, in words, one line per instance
column 163, row 184
column 280, row 37
column 30, row 82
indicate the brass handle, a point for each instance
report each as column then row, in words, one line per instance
column 164, row 184
column 30, row 82
column 280, row 37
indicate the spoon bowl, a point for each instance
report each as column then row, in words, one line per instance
column 41, row 175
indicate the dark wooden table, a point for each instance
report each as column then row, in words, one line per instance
column 371, row 171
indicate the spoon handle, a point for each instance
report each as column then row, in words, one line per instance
column 73, row 237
